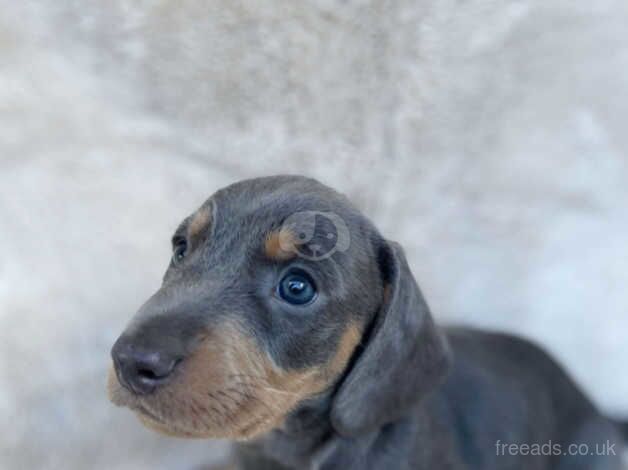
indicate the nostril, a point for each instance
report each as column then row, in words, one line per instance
column 147, row 374
column 157, row 370
column 142, row 371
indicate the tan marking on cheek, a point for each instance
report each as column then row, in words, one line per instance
column 230, row 389
column 346, row 347
column 227, row 389
column 280, row 245
column 272, row 392
column 200, row 221
column 287, row 388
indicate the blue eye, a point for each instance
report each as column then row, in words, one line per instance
column 297, row 288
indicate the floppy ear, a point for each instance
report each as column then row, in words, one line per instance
column 405, row 357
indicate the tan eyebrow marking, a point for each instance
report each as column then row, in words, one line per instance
column 199, row 222
column 280, row 244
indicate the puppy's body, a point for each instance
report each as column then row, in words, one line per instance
column 287, row 322
column 501, row 390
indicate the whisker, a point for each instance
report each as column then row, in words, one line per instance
column 265, row 377
column 252, row 397
column 249, row 377
column 227, row 411
column 202, row 407
column 229, row 397
column 202, row 415
column 252, row 382
column 255, row 421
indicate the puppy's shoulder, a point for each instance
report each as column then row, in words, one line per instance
column 511, row 359
column 476, row 342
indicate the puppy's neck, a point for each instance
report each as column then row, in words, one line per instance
column 306, row 432
column 308, row 440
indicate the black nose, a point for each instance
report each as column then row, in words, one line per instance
column 139, row 369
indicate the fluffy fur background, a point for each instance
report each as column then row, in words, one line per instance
column 488, row 137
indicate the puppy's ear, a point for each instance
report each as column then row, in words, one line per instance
column 405, row 357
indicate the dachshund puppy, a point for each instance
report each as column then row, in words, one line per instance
column 287, row 323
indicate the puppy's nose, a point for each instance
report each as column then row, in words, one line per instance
column 139, row 369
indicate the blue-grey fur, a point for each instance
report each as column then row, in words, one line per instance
column 414, row 396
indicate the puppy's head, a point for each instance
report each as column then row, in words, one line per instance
column 278, row 291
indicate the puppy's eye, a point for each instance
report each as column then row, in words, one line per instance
column 297, row 288
column 179, row 249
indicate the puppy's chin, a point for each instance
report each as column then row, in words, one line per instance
column 142, row 408
column 151, row 422
column 122, row 397
column 118, row 395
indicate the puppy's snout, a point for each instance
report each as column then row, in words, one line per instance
column 140, row 369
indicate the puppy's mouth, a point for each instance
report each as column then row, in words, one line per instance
column 160, row 411
column 121, row 396
column 178, row 410
column 226, row 389
column 142, row 411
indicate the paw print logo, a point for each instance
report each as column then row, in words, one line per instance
column 316, row 235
